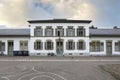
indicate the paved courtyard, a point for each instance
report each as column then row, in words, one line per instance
column 55, row 68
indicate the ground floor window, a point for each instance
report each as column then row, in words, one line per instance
column 23, row 45
column 38, row 45
column 117, row 46
column 80, row 45
column 70, row 45
column 49, row 45
column 2, row 46
column 96, row 46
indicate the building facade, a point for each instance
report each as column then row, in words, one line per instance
column 60, row 37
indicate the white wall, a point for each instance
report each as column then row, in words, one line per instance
column 16, row 42
column 104, row 39
column 65, row 52
column 54, row 26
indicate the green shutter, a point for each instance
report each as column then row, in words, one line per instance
column 77, row 45
column 41, row 45
column 73, row 45
column 116, row 46
column 102, row 46
column 67, row 45
column 84, row 45
column 45, row 45
column 35, row 45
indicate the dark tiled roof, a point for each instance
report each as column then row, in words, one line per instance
column 105, row 32
column 59, row 21
column 14, row 32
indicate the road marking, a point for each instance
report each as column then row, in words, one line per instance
column 49, row 73
column 6, row 77
column 38, row 72
column 14, row 72
column 42, row 76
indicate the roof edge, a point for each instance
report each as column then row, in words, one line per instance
column 59, row 21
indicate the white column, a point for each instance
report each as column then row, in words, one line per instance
column 54, row 42
column 64, row 31
column 75, row 31
column 54, row 28
column 43, row 30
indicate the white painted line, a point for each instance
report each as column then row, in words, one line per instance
column 6, row 77
column 14, row 72
column 37, row 72
column 49, row 73
column 57, row 60
column 43, row 76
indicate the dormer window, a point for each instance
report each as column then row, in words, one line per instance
column 38, row 31
column 70, row 31
column 49, row 31
column 80, row 31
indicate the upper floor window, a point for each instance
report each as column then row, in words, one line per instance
column 70, row 45
column 80, row 31
column 80, row 45
column 38, row 31
column 70, row 31
column 49, row 45
column 96, row 46
column 49, row 31
column 59, row 31
column 117, row 46
column 23, row 45
column 2, row 46
column 38, row 45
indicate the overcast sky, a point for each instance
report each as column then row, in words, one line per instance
column 103, row 13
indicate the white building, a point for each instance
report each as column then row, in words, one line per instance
column 60, row 37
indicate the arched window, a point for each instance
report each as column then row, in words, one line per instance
column 80, row 45
column 70, row 45
column 49, row 45
column 49, row 31
column 38, row 45
column 38, row 31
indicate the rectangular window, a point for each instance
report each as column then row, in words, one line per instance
column 49, row 31
column 117, row 46
column 23, row 45
column 60, row 31
column 38, row 31
column 96, row 46
column 80, row 31
column 70, row 31
column 2, row 46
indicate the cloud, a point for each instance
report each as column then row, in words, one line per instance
column 15, row 13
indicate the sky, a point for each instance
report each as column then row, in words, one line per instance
column 16, row 13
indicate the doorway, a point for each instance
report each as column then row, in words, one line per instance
column 109, row 48
column 10, row 48
column 59, row 47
